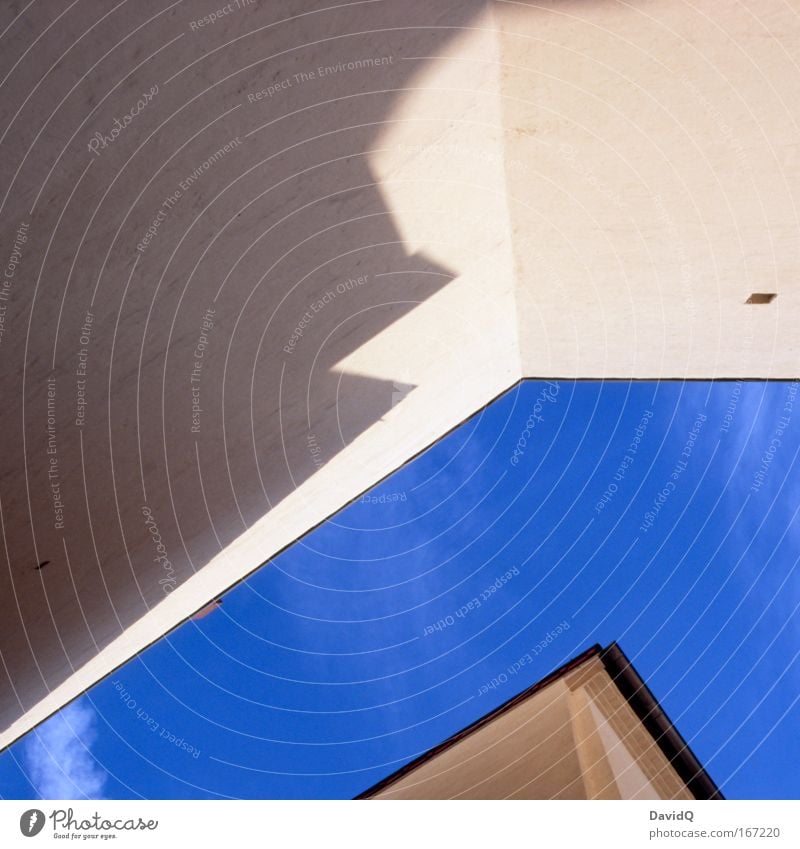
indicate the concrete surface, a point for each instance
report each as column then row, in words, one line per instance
column 254, row 264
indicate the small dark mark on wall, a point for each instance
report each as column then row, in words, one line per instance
column 761, row 298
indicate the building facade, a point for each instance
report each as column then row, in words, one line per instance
column 256, row 262
column 590, row 730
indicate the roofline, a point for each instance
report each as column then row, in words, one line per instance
column 661, row 728
column 635, row 692
column 595, row 651
column 530, row 378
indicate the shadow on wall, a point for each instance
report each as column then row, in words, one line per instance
column 188, row 283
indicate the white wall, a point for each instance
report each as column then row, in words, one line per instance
column 437, row 176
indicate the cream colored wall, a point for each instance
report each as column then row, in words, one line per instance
column 321, row 192
column 661, row 186
column 439, row 177
column 619, row 758
column 577, row 738
column 527, row 753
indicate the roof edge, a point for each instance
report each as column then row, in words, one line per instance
column 595, row 651
column 635, row 692
column 660, row 727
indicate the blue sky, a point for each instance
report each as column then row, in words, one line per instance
column 660, row 515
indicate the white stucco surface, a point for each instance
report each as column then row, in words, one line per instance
column 327, row 237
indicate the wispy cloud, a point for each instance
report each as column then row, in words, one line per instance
column 58, row 756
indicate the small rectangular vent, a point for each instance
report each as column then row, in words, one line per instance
column 761, row 298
